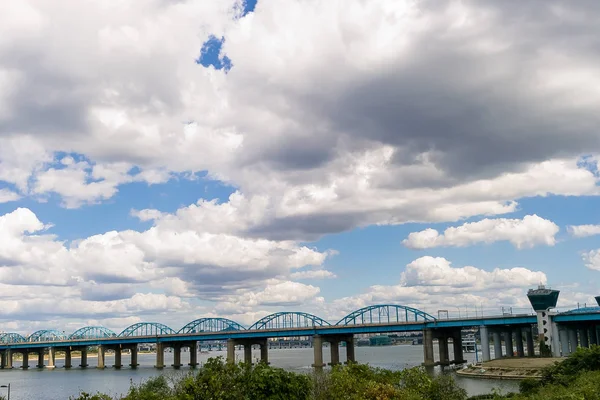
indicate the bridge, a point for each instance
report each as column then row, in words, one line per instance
column 572, row 329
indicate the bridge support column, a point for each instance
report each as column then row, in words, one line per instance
column 3, row 359
column 563, row 334
column 519, row 339
column 9, row 359
column 68, row 362
column 134, row 357
column 248, row 353
column 529, row 340
column 443, row 349
column 318, row 352
column 118, row 362
column 334, row 347
column 176, row 356
column 25, row 363
column 573, row 339
column 428, row 348
column 583, row 335
column 497, row 344
column 592, row 335
column 160, row 356
column 51, row 357
column 485, row 343
column 40, row 363
column 193, row 355
column 101, row 352
column 508, row 343
column 264, row 351
column 231, row 350
column 350, row 356
column 458, row 348
column 84, row 363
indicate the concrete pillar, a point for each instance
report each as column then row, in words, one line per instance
column 40, row 363
column 264, row 352
column 443, row 350
column 118, row 362
column 497, row 344
column 485, row 343
column 101, row 351
column 428, row 360
column 573, row 339
column 9, row 359
column 134, row 357
column 68, row 362
column 2, row 359
column 458, row 348
column 25, row 363
column 563, row 334
column 334, row 346
column 583, row 335
column 318, row 352
column 530, row 344
column 193, row 355
column 519, row 340
column 51, row 357
column 160, row 355
column 84, row 363
column 176, row 356
column 508, row 343
column 592, row 335
column 248, row 353
column 231, row 350
column 350, row 356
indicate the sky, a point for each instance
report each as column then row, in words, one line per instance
column 171, row 160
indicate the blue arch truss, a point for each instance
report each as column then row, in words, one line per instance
column 46, row 335
column 9, row 338
column 288, row 320
column 92, row 332
column 211, row 325
column 385, row 313
column 146, row 329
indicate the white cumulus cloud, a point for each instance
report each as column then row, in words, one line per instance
column 580, row 231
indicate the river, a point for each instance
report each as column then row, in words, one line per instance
column 60, row 383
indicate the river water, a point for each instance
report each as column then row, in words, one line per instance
column 60, row 383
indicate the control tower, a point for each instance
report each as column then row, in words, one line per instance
column 542, row 300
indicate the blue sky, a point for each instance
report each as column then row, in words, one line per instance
column 247, row 170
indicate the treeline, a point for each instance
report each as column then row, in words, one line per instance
column 577, row 377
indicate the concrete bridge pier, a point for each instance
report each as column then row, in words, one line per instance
column 264, row 351
column 519, row 341
column 350, row 355
column 318, row 352
column 134, row 357
column 118, row 358
column 458, row 348
column 530, row 344
column 40, row 363
column 25, row 364
column 497, row 344
column 231, row 350
column 101, row 354
column 248, row 354
column 193, row 355
column 563, row 335
column 68, row 362
column 334, row 347
column 583, row 336
column 428, row 348
column 485, row 343
column 443, row 350
column 593, row 336
column 572, row 332
column 84, row 363
column 176, row 356
column 51, row 358
column 160, row 355
column 9, row 359
column 508, row 343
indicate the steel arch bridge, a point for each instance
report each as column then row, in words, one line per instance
column 9, row 338
column 46, row 335
column 288, row 320
column 146, row 329
column 92, row 332
column 211, row 325
column 385, row 313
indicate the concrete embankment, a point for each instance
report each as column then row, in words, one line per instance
column 508, row 368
